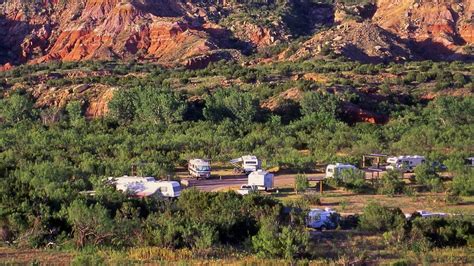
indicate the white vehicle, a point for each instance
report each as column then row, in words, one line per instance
column 405, row 163
column 146, row 187
column 130, row 179
column 246, row 189
column 322, row 219
column 427, row 214
column 247, row 163
column 199, row 168
column 333, row 170
column 263, row 180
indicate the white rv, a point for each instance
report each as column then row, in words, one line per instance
column 146, row 186
column 333, row 170
column 199, row 168
column 405, row 163
column 263, row 180
column 247, row 163
column 322, row 219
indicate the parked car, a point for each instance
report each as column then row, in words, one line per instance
column 247, row 189
column 322, row 219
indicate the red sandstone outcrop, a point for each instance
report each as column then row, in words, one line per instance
column 441, row 26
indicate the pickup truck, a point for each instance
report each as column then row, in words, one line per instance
column 426, row 214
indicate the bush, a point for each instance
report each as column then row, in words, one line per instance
column 91, row 224
column 312, row 199
column 426, row 175
column 378, row 218
column 88, row 259
column 276, row 241
column 443, row 232
column 301, row 183
column 391, row 184
column 354, row 180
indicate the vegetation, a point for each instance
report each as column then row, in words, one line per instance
column 50, row 155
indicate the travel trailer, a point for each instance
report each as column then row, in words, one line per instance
column 263, row 180
column 246, row 164
column 405, row 163
column 333, row 170
column 146, row 187
column 322, row 219
column 199, row 168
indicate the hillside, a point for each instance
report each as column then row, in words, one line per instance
column 193, row 33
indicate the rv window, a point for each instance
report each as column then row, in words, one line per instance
column 330, row 170
column 251, row 162
column 177, row 188
column 204, row 168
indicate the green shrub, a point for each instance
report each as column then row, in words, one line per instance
column 301, row 183
column 312, row 198
column 276, row 241
column 391, row 184
column 88, row 259
column 378, row 218
column 425, row 174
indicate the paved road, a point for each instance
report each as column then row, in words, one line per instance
column 228, row 180
column 235, row 181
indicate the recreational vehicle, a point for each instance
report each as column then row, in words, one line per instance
column 247, row 164
column 322, row 219
column 146, row 187
column 405, row 163
column 199, row 168
column 333, row 170
column 263, row 180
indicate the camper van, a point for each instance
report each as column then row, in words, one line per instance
column 333, row 170
column 322, row 219
column 199, row 168
column 404, row 163
column 146, row 187
column 263, row 180
column 247, row 164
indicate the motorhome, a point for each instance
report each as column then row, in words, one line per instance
column 199, row 168
column 405, row 163
column 247, row 164
column 334, row 170
column 146, row 187
column 322, row 219
column 263, row 180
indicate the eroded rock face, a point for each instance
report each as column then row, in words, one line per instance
column 94, row 97
column 438, row 27
column 364, row 42
column 102, row 29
